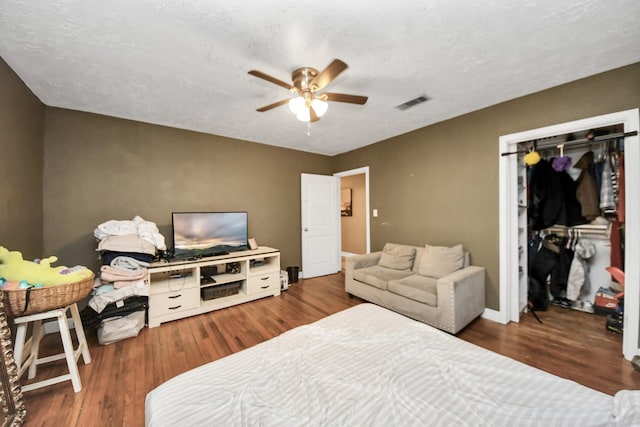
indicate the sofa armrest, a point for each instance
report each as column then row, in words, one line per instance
column 461, row 295
column 362, row 261
column 356, row 262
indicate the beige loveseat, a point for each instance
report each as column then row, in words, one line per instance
column 432, row 284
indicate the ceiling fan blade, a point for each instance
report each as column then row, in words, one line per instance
column 274, row 105
column 268, row 78
column 313, row 116
column 343, row 97
column 328, row 74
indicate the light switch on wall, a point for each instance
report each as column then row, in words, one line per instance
column 375, row 213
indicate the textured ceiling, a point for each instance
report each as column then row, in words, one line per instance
column 184, row 63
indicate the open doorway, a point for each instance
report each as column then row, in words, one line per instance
column 354, row 208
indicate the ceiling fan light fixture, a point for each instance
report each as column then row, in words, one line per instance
column 304, row 115
column 308, row 104
column 319, row 106
column 297, row 104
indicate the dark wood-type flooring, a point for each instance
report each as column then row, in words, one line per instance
column 570, row 344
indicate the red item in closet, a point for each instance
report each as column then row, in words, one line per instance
column 616, row 245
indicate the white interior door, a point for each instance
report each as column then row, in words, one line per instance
column 320, row 225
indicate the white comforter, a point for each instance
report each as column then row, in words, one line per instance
column 367, row 366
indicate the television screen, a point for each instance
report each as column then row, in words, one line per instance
column 201, row 234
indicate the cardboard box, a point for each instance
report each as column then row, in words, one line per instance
column 606, row 301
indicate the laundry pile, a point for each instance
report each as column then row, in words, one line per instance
column 119, row 300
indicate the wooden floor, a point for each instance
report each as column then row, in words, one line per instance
column 569, row 344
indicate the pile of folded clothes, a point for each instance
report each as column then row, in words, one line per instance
column 119, row 300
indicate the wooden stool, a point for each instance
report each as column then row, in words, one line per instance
column 70, row 353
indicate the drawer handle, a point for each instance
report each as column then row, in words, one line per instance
column 264, row 287
column 175, row 296
column 264, row 278
column 176, row 307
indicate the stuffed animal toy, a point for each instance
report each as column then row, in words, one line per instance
column 13, row 268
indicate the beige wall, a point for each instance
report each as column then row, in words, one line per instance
column 439, row 184
column 21, row 131
column 100, row 168
column 353, row 228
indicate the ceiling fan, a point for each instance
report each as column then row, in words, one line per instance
column 308, row 104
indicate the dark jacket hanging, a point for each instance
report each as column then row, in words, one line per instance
column 552, row 198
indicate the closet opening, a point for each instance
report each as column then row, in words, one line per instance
column 572, row 198
column 567, row 239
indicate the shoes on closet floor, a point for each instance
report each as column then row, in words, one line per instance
column 586, row 306
column 561, row 302
column 614, row 323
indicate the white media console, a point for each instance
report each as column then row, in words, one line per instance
column 185, row 288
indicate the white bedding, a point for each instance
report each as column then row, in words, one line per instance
column 370, row 366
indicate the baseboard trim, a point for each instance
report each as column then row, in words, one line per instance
column 493, row 315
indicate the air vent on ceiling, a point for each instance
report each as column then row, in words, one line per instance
column 413, row 102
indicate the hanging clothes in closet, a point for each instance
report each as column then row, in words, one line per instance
column 552, row 197
column 552, row 261
column 578, row 281
column 617, row 215
column 608, row 185
column 560, row 267
column 587, row 190
column 568, row 272
column 612, row 196
column 618, row 225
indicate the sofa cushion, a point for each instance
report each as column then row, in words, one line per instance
column 378, row 276
column 397, row 257
column 418, row 288
column 438, row 261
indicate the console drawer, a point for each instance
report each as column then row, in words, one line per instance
column 263, row 282
column 172, row 302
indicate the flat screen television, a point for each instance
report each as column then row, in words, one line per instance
column 203, row 234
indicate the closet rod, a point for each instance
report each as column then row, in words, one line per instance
column 603, row 231
column 584, row 141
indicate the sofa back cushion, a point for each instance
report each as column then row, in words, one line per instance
column 420, row 250
column 397, row 257
column 438, row 261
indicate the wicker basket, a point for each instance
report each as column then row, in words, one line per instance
column 45, row 298
column 220, row 291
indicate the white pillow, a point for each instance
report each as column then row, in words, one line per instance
column 625, row 407
column 438, row 261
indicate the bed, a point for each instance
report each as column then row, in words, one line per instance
column 370, row 366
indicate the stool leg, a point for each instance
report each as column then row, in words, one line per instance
column 36, row 336
column 69, row 352
column 21, row 336
column 82, row 341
